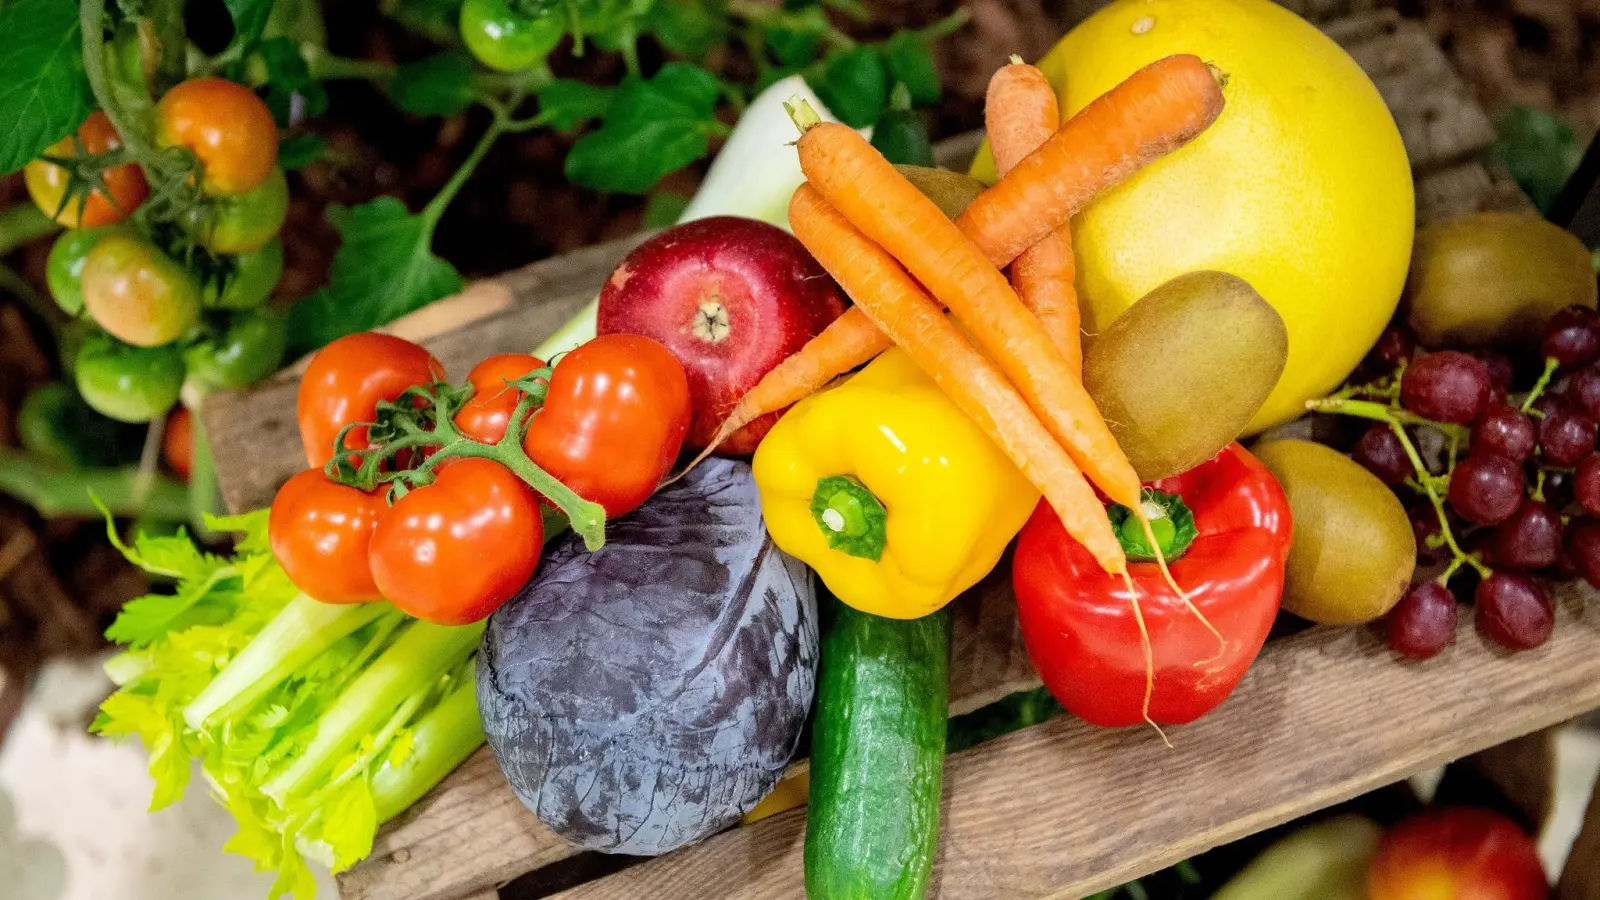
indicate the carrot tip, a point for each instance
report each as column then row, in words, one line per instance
column 1217, row 73
column 1016, row 60
column 801, row 114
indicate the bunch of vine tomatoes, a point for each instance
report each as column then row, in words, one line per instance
column 445, row 515
column 166, row 270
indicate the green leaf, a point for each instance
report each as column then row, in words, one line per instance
column 301, row 150
column 286, row 73
column 1539, row 150
column 854, row 86
column 350, row 824
column 249, row 20
column 565, row 104
column 251, row 526
column 440, row 85
column 384, row 268
column 910, row 62
column 662, row 210
column 651, row 129
column 792, row 48
column 44, row 94
column 690, row 85
column 690, row 28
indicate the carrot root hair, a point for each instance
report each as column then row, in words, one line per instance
column 1166, row 575
column 1149, row 655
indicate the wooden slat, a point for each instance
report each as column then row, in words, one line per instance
column 1063, row 809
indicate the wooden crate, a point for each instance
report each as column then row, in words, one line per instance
column 1061, row 809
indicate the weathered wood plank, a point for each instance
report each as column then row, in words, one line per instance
column 253, row 432
column 1063, row 809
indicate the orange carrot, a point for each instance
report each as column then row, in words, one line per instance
column 1125, row 141
column 1155, row 111
column 847, row 342
column 1020, row 115
column 896, row 303
column 858, row 182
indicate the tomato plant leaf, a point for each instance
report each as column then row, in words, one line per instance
column 663, row 209
column 791, row 47
column 286, row 74
column 853, row 85
column 910, row 62
column 690, row 28
column 1539, row 150
column 566, row 104
column 652, row 128
column 249, row 20
column 301, row 150
column 384, row 268
column 44, row 94
column 439, row 85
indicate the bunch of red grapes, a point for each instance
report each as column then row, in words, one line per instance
column 1524, row 499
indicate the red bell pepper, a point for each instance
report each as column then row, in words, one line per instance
column 1224, row 528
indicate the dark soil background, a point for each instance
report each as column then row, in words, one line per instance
column 60, row 583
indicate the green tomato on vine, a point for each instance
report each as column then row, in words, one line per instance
column 242, row 223
column 128, row 383
column 247, row 348
column 506, row 37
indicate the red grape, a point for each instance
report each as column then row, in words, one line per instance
column 1501, row 369
column 1566, row 436
column 1583, row 390
column 1382, row 453
column 1586, row 484
column 1505, row 431
column 1394, row 346
column 1448, row 386
column 1486, row 489
column 1531, row 538
column 1425, row 526
column 1514, row 611
column 1423, row 622
column 1570, row 337
column 1583, row 548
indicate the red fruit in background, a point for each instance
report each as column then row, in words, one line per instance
column 1456, row 854
column 177, row 444
column 731, row 298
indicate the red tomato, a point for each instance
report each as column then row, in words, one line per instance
column 321, row 532
column 177, row 444
column 345, row 382
column 228, row 129
column 1457, row 854
column 613, row 420
column 452, row 551
column 487, row 414
column 125, row 187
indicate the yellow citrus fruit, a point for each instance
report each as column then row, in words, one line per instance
column 1301, row 187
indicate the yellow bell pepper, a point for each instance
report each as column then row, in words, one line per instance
column 886, row 489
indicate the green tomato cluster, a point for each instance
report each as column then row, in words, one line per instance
column 146, row 320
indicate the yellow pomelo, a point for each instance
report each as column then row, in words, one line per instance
column 1301, row 188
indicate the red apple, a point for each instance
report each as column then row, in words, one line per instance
column 1457, row 854
column 731, row 298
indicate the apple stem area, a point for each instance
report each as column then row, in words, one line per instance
column 710, row 322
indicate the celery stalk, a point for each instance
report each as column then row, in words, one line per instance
column 423, row 652
column 444, row 738
column 303, row 629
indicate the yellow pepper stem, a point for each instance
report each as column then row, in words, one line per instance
column 850, row 516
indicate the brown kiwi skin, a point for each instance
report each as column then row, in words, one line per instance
column 1354, row 550
column 1493, row 278
column 950, row 191
column 1181, row 373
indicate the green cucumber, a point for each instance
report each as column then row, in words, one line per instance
column 877, row 756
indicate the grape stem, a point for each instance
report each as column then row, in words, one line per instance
column 1430, row 484
column 1550, row 366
